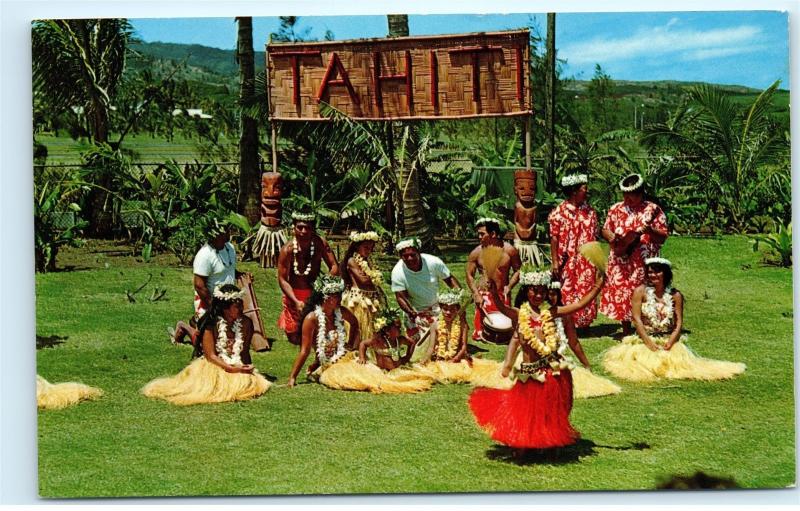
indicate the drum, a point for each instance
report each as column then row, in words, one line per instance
column 497, row 328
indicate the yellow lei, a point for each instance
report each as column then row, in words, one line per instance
column 374, row 275
column 447, row 345
column 551, row 340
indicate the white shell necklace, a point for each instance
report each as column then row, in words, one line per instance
column 658, row 312
column 295, row 252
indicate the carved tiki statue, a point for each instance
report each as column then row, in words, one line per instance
column 525, row 207
column 271, row 193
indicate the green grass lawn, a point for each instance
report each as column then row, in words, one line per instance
column 313, row 440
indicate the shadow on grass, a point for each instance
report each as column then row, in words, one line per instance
column 599, row 331
column 50, row 342
column 473, row 348
column 556, row 456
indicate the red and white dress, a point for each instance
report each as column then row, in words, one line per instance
column 574, row 226
column 626, row 273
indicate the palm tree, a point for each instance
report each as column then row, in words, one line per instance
column 78, row 65
column 735, row 146
column 249, row 172
column 408, row 200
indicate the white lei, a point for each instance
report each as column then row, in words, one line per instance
column 328, row 341
column 295, row 251
column 650, row 308
column 562, row 335
column 234, row 358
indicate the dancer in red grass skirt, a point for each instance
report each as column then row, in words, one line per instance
column 534, row 413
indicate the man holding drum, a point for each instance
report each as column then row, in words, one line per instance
column 489, row 235
column 415, row 283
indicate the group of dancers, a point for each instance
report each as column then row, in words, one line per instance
column 358, row 341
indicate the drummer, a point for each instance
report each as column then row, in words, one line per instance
column 415, row 283
column 488, row 230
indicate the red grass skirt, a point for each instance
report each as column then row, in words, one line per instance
column 530, row 415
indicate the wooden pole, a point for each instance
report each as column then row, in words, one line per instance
column 528, row 143
column 550, row 100
column 274, row 147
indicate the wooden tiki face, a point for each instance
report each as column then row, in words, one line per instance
column 525, row 186
column 271, row 194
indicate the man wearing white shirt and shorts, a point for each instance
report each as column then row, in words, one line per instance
column 415, row 283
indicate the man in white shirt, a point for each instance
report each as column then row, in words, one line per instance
column 214, row 265
column 415, row 283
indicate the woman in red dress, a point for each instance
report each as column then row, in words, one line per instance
column 534, row 413
column 573, row 223
column 636, row 229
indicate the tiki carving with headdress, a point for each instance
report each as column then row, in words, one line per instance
column 525, row 207
column 270, row 236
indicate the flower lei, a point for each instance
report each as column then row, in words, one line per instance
column 374, row 275
column 447, row 341
column 295, row 251
column 234, row 358
column 660, row 323
column 330, row 345
column 551, row 340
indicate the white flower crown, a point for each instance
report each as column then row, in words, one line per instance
column 635, row 186
column 451, row 297
column 657, row 260
column 329, row 285
column 230, row 296
column 487, row 220
column 574, row 179
column 356, row 236
column 410, row 242
column 535, row 278
column 303, row 217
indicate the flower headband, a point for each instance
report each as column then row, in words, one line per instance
column 230, row 296
column 534, row 278
column 574, row 179
column 302, row 217
column 356, row 236
column 329, row 285
column 555, row 285
column 406, row 243
column 386, row 317
column 657, row 260
column 487, row 220
column 451, row 297
column 635, row 186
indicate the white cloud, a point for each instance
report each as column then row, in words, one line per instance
column 672, row 21
column 658, row 42
column 715, row 53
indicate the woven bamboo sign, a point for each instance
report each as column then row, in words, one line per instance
column 426, row 77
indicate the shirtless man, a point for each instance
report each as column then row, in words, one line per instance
column 489, row 235
column 299, row 264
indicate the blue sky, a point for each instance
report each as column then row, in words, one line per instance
column 727, row 47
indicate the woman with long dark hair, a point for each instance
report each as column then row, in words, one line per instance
column 363, row 294
column 222, row 369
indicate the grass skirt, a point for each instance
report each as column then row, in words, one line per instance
column 348, row 374
column 364, row 305
column 632, row 360
column 530, row 415
column 481, row 373
column 52, row 396
column 204, row 382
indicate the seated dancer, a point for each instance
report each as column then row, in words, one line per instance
column 299, row 264
column 214, row 265
column 222, row 370
column 534, row 413
column 335, row 364
column 658, row 351
column 54, row 396
column 415, row 283
column 489, row 235
column 447, row 360
column 584, row 383
column 385, row 345
column 363, row 296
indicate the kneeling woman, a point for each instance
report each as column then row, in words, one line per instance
column 223, row 370
column 534, row 413
column 323, row 326
column 658, row 351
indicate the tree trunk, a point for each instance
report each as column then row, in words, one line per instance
column 550, row 108
column 249, row 198
column 407, row 175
